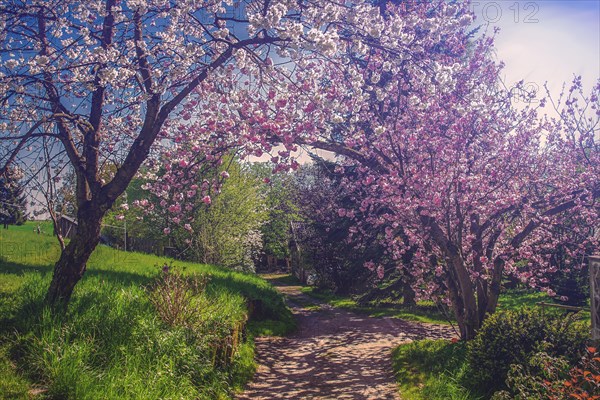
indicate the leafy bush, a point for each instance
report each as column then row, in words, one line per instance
column 512, row 337
column 547, row 377
column 531, row 380
column 584, row 380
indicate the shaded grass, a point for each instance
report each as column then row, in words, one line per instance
column 425, row 311
column 111, row 344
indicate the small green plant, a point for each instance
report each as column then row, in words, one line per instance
column 513, row 337
column 584, row 380
column 531, row 379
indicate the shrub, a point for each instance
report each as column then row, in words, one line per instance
column 217, row 327
column 531, row 380
column 547, row 377
column 512, row 337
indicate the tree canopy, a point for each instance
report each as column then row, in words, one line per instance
column 464, row 186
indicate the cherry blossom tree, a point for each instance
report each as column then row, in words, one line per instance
column 104, row 79
column 469, row 185
column 475, row 188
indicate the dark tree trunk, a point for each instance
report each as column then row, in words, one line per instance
column 408, row 295
column 71, row 266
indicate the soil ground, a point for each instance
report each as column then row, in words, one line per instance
column 334, row 354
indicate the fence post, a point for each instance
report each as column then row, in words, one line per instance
column 594, row 264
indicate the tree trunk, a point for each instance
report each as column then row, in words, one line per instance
column 408, row 295
column 70, row 267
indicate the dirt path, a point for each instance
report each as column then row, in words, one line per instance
column 335, row 354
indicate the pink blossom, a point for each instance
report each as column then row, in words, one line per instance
column 175, row 208
column 206, row 200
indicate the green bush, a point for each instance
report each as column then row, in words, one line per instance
column 512, row 337
column 547, row 377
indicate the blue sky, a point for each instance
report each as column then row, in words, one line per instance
column 545, row 40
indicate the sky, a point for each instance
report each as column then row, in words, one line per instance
column 545, row 40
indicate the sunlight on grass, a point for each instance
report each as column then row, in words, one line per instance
column 110, row 344
column 432, row 370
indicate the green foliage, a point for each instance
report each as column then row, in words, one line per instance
column 432, row 370
column 548, row 377
column 112, row 343
column 13, row 206
column 530, row 379
column 512, row 337
column 227, row 232
column 281, row 208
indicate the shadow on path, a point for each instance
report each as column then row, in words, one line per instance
column 335, row 354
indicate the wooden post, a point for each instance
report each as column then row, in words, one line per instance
column 594, row 264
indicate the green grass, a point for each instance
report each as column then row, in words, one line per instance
column 432, row 370
column 517, row 298
column 111, row 344
column 425, row 311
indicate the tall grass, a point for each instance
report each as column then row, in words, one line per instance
column 111, row 343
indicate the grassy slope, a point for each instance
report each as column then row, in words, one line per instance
column 111, row 344
column 431, row 369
